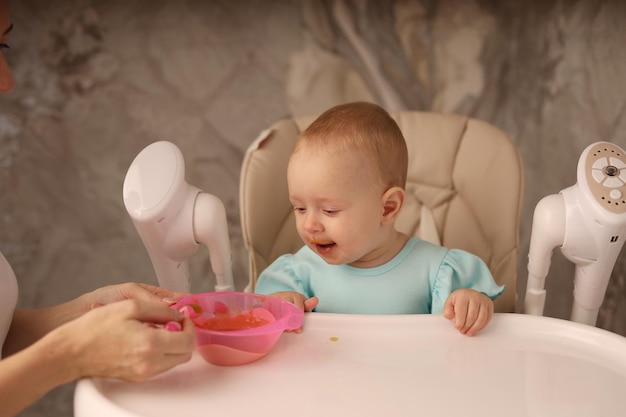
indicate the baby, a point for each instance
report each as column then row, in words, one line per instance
column 346, row 178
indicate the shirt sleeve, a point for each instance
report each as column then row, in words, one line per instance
column 461, row 269
column 279, row 276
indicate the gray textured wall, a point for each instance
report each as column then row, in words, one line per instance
column 99, row 80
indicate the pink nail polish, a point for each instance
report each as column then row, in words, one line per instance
column 188, row 311
column 173, row 326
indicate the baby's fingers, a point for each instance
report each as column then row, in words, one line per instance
column 484, row 317
column 456, row 310
column 467, row 316
column 310, row 303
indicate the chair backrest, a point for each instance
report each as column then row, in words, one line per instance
column 464, row 190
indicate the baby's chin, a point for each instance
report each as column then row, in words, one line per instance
column 331, row 261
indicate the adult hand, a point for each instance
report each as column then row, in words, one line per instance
column 129, row 291
column 125, row 340
column 470, row 310
column 30, row 325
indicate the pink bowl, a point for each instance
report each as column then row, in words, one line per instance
column 234, row 328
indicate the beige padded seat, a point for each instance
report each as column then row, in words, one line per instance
column 464, row 190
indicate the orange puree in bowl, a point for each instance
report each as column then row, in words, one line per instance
column 242, row 321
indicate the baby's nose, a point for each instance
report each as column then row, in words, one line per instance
column 312, row 223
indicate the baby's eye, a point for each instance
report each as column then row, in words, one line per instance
column 299, row 209
column 4, row 46
column 331, row 211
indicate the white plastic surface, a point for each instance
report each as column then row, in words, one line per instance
column 210, row 227
column 352, row 365
column 173, row 218
column 588, row 222
column 160, row 204
column 548, row 232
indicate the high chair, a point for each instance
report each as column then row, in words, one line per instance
column 464, row 190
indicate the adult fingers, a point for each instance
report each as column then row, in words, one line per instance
column 176, row 342
column 159, row 350
column 149, row 292
column 148, row 311
column 130, row 291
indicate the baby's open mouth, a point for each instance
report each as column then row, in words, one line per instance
column 322, row 248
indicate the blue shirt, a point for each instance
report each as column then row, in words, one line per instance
column 418, row 280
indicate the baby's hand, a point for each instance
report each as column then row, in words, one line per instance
column 306, row 304
column 470, row 310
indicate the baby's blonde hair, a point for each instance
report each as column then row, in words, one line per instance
column 364, row 127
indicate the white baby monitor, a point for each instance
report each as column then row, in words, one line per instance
column 173, row 217
column 588, row 222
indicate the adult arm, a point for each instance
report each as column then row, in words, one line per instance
column 30, row 325
column 119, row 340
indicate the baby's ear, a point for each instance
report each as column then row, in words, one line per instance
column 393, row 200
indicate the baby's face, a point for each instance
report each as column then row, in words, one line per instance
column 337, row 200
